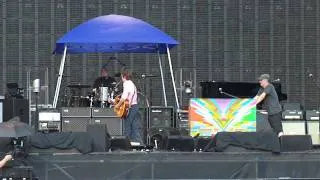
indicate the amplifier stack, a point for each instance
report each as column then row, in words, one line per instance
column 154, row 120
column 76, row 119
column 107, row 116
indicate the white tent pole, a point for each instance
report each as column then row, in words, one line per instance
column 172, row 77
column 56, row 94
column 162, row 79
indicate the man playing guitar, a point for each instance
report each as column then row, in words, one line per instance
column 132, row 124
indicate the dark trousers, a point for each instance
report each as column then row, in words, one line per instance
column 275, row 122
column 132, row 124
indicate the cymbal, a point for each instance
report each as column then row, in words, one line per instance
column 78, row 86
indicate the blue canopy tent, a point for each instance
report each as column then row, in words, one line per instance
column 116, row 34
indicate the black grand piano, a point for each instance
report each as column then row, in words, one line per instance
column 211, row 89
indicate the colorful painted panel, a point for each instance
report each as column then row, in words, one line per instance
column 209, row 116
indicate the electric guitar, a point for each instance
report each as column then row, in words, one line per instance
column 123, row 110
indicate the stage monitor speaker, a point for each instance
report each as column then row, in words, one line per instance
column 108, row 117
column 294, row 127
column 120, row 143
column 295, row 143
column 202, row 143
column 161, row 117
column 16, row 107
column 101, row 138
column 179, row 143
column 74, row 124
column 157, row 136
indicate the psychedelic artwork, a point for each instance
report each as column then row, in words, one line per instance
column 209, row 116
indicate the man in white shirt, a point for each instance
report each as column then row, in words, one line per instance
column 132, row 124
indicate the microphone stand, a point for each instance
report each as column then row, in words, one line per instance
column 118, row 61
column 227, row 94
column 36, row 123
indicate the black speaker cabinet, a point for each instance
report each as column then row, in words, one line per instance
column 74, row 124
column 120, row 143
column 75, row 112
column 107, row 116
column 161, row 117
column 75, row 119
column 179, row 143
column 16, row 107
column 295, row 143
column 114, row 124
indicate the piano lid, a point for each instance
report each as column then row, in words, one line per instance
column 240, row 89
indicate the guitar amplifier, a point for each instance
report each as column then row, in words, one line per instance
column 292, row 115
column 108, row 117
column 161, row 117
column 75, row 112
column 74, row 124
column 49, row 121
column 312, row 115
column 75, row 119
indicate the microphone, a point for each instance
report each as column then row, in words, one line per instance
column 276, row 80
column 147, row 75
column 143, row 76
column 220, row 90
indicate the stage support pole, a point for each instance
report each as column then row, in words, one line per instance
column 172, row 77
column 162, row 79
column 56, row 94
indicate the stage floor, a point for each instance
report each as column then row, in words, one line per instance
column 176, row 165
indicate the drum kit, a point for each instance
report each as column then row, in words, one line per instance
column 80, row 96
column 100, row 97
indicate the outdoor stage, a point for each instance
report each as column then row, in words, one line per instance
column 176, row 165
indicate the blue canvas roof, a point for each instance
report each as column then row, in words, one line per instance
column 115, row 33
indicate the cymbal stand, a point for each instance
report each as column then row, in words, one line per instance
column 91, row 101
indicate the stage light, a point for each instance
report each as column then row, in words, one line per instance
column 187, row 87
